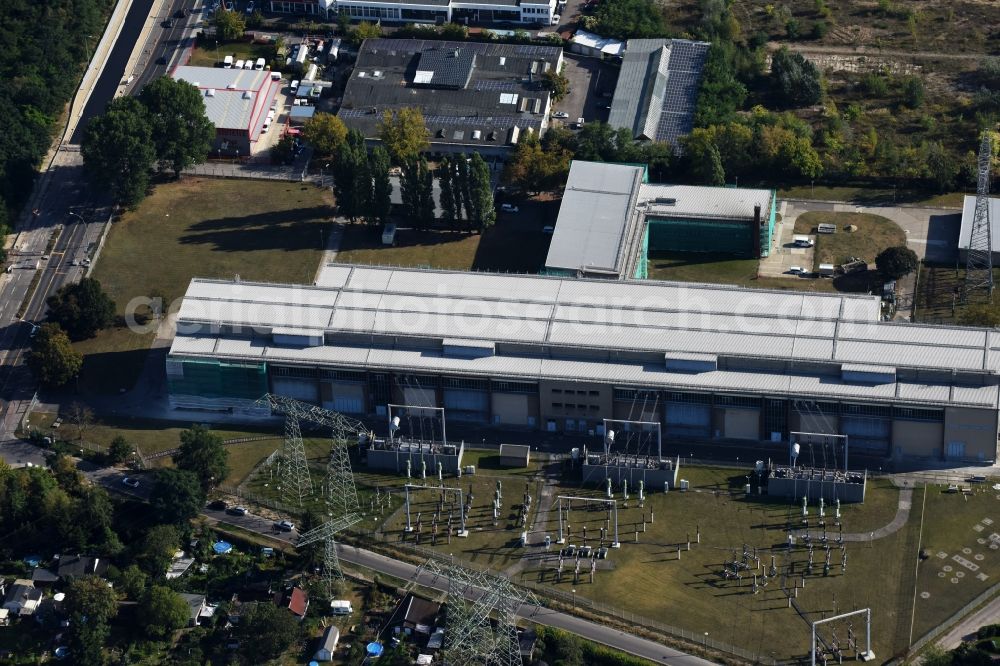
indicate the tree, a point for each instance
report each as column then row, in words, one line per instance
column 454, row 32
column 182, row 133
column 266, row 631
column 895, row 262
column 484, row 212
column 325, row 132
column 557, row 82
column 157, row 549
column 229, row 25
column 90, row 605
column 704, row 157
column 721, row 94
column 629, row 19
column 534, row 167
column 379, row 206
column 463, row 192
column 52, row 358
column 82, row 308
column 365, row 30
column 177, row 496
column 4, row 228
column 404, row 134
column 118, row 150
column 202, row 453
column 162, row 612
column 445, row 174
column 119, row 450
column 417, row 192
column 796, row 79
column 942, row 166
column 132, row 582
column 351, row 182
column 283, row 151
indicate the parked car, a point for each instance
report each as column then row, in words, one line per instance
column 560, row 114
column 237, row 511
column 556, row 19
column 130, row 482
column 509, row 208
column 285, row 526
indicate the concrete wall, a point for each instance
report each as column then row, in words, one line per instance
column 814, row 489
column 917, row 438
column 395, row 461
column 515, row 409
column 975, row 428
column 564, row 393
column 596, row 475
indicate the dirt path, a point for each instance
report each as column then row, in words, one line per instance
column 875, row 52
column 893, row 526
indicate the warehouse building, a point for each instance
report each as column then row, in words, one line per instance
column 237, row 102
column 708, row 362
column 474, row 97
column 658, row 88
column 611, row 218
column 968, row 215
column 476, row 12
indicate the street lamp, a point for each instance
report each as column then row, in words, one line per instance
column 574, row 598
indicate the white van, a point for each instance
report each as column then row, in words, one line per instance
column 294, row 86
column 228, row 62
column 260, row 64
column 239, row 64
column 248, row 64
column 341, row 607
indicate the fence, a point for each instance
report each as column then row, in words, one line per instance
column 937, row 631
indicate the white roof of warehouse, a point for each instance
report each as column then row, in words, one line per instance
column 604, row 44
column 229, row 105
column 571, row 316
column 717, row 203
column 604, row 205
column 968, row 214
column 593, row 216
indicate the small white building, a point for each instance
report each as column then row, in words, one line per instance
column 595, row 46
column 327, row 644
column 968, row 215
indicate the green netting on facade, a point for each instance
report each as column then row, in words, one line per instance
column 215, row 379
column 687, row 235
column 642, row 266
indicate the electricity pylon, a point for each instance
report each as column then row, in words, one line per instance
column 341, row 495
column 979, row 258
column 471, row 638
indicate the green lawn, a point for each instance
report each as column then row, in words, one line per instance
column 722, row 269
column 950, row 527
column 199, row 227
column 872, row 196
column 209, row 56
column 500, row 249
column 874, row 233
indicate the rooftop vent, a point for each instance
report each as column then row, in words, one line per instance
column 665, row 201
column 210, row 92
column 246, row 94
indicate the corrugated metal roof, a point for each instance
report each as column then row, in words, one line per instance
column 968, row 214
column 721, row 203
column 593, row 216
column 234, row 98
column 569, row 318
column 604, row 44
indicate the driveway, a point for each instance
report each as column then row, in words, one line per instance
column 589, row 79
column 930, row 232
column 784, row 252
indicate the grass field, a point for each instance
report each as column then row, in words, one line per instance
column 212, row 57
column 874, row 234
column 873, row 196
column 956, row 525
column 500, row 249
column 723, row 269
column 199, row 227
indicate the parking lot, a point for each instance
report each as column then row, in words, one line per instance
column 589, row 80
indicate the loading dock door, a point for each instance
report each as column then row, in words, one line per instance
column 742, row 424
column 689, row 420
column 306, row 390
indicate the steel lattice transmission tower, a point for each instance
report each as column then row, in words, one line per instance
column 979, row 260
column 341, row 494
column 471, row 638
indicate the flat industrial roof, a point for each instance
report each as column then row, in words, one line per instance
column 234, row 98
column 576, row 328
column 604, row 208
column 593, row 215
column 968, row 214
column 658, row 87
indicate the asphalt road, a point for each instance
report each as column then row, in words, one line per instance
column 405, row 571
column 114, row 68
